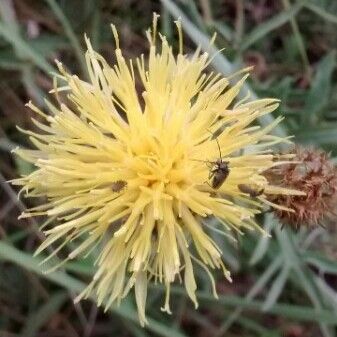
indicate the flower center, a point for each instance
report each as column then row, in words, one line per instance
column 161, row 163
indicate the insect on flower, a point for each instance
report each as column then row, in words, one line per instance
column 219, row 170
column 118, row 185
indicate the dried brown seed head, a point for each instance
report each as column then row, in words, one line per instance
column 313, row 173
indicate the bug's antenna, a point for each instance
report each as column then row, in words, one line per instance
column 219, row 148
column 201, row 161
column 216, row 138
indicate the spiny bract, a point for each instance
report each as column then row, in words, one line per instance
column 310, row 171
column 159, row 140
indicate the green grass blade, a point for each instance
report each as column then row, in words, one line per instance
column 10, row 253
column 328, row 291
column 322, row 263
column 298, row 38
column 223, row 29
column 321, row 136
column 70, row 34
column 319, row 93
column 276, row 288
column 36, row 320
column 321, row 12
column 24, row 48
column 268, row 26
column 304, row 278
column 264, row 241
column 8, row 15
column 258, row 286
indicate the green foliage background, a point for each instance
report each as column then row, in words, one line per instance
column 284, row 286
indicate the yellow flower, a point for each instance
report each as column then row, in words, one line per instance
column 129, row 168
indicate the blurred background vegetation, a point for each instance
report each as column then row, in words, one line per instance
column 284, row 286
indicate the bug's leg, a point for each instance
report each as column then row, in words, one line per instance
column 207, row 182
column 209, row 164
column 211, row 174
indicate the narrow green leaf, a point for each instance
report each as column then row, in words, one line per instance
column 298, row 38
column 8, row 15
column 37, row 320
column 80, row 266
column 194, row 14
column 48, row 44
column 28, row 262
column 321, row 11
column 224, row 30
column 328, row 292
column 276, row 289
column 70, row 33
column 322, row 136
column 258, row 286
column 268, row 26
column 322, row 263
column 302, row 277
column 24, row 48
column 263, row 243
column 319, row 93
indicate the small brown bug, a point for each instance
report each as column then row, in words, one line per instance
column 118, row 185
column 253, row 193
column 218, row 173
column 219, row 170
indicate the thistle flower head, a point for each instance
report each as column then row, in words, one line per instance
column 135, row 171
column 312, row 172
